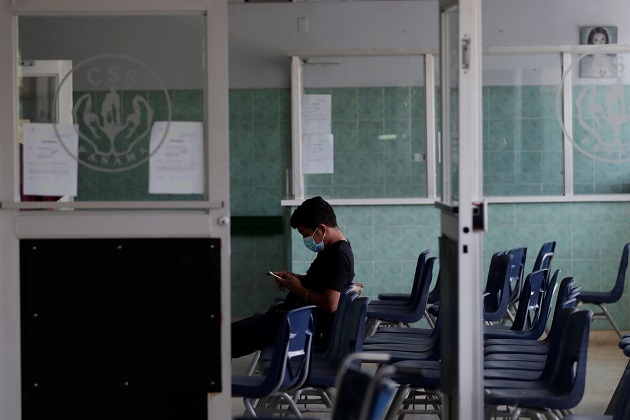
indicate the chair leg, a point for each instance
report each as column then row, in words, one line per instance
column 371, row 327
column 399, row 398
column 610, row 319
column 604, row 314
column 429, row 318
column 249, row 408
column 253, row 363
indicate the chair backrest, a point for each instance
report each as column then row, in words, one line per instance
column 353, row 330
column 565, row 367
column 531, row 300
column 617, row 289
column 538, row 321
column 517, row 272
column 346, row 296
column 417, row 276
column 545, row 255
column 434, row 294
column 290, row 363
column 361, row 395
column 418, row 303
column 565, row 300
column 497, row 291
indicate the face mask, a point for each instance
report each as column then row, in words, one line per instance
column 309, row 242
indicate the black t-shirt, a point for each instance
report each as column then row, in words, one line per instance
column 333, row 268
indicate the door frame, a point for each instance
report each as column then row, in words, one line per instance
column 107, row 219
column 463, row 222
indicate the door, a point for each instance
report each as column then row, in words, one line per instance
column 462, row 209
column 150, row 100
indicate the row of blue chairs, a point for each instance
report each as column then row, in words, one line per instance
column 513, row 352
column 263, row 389
column 566, row 341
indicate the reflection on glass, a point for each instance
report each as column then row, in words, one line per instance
column 522, row 147
column 601, row 124
column 450, row 106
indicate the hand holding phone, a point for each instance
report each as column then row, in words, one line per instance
column 280, row 285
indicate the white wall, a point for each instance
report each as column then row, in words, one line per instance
column 262, row 34
column 550, row 22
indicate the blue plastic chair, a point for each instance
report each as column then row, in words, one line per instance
column 326, row 353
column 324, row 350
column 419, row 390
column 318, row 389
column 434, row 294
column 287, row 371
column 525, row 359
column 545, row 255
column 496, row 294
column 601, row 299
column 361, row 394
column 405, row 297
column 403, row 314
column 526, row 343
column 558, row 389
column 529, row 308
column 517, row 277
column 413, row 344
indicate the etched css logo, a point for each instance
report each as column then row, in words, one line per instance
column 115, row 117
column 600, row 124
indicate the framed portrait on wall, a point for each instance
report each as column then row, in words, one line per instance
column 593, row 64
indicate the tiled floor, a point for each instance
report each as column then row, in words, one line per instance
column 606, row 363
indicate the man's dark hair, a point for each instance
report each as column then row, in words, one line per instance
column 312, row 212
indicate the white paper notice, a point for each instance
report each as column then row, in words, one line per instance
column 318, row 154
column 316, row 114
column 50, row 165
column 176, row 163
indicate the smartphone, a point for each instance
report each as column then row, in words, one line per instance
column 273, row 274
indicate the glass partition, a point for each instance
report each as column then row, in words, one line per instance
column 523, row 138
column 600, row 123
column 368, row 136
column 137, row 127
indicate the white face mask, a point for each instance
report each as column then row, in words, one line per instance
column 309, row 242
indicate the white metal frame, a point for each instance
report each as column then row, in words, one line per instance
column 296, row 190
column 297, row 88
column 464, row 390
column 187, row 220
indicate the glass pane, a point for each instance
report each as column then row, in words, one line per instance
column 450, row 103
column 36, row 97
column 137, row 100
column 601, row 124
column 522, row 133
column 377, row 123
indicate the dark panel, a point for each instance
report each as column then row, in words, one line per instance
column 120, row 328
column 257, row 225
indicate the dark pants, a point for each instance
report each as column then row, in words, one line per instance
column 254, row 333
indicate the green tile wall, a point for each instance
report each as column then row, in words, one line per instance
column 366, row 166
